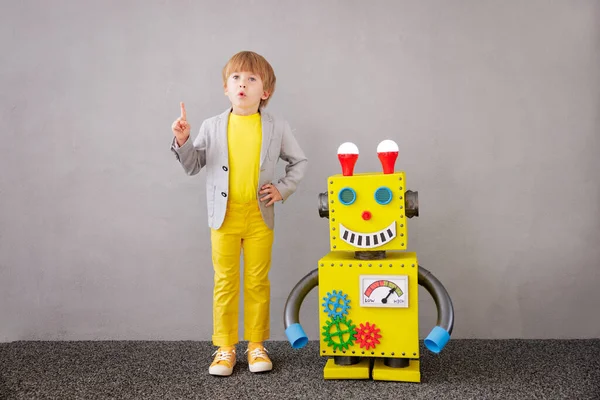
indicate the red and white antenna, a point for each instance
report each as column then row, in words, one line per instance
column 387, row 151
column 348, row 154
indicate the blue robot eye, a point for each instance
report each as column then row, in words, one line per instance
column 383, row 195
column 347, row 196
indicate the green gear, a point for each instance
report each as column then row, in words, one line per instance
column 343, row 328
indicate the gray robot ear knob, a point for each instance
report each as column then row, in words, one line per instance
column 411, row 203
column 323, row 205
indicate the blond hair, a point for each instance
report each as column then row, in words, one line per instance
column 249, row 61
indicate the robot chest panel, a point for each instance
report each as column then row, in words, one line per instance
column 369, row 308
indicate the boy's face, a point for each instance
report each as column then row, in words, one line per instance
column 245, row 91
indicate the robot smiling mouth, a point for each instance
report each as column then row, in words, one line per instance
column 368, row 240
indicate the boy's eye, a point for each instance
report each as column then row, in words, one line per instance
column 235, row 76
column 252, row 78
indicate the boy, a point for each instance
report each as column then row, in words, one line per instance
column 240, row 148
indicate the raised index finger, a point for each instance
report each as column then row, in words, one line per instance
column 183, row 117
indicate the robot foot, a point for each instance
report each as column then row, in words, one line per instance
column 410, row 373
column 360, row 370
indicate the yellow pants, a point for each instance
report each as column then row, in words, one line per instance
column 245, row 229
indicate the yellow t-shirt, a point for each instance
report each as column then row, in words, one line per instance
column 244, row 137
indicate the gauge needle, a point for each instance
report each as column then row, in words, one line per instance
column 384, row 300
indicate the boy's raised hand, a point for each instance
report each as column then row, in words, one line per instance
column 181, row 128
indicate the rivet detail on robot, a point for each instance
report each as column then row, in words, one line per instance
column 369, row 268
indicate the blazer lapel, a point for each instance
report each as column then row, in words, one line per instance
column 267, row 131
column 222, row 141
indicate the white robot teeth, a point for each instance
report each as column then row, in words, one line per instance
column 368, row 240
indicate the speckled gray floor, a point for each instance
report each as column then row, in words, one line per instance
column 466, row 369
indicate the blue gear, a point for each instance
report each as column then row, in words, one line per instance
column 336, row 304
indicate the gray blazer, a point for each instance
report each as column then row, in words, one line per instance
column 210, row 149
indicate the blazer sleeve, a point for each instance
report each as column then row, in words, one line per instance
column 296, row 163
column 192, row 156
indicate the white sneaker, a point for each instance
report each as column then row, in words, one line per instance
column 223, row 363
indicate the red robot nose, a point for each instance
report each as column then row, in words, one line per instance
column 366, row 215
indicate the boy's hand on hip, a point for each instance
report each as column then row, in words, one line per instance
column 181, row 128
column 272, row 194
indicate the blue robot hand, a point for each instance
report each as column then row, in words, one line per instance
column 296, row 336
column 437, row 339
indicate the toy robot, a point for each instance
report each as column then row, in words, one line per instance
column 369, row 289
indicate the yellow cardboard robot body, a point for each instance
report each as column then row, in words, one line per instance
column 364, row 285
column 368, row 283
column 369, row 308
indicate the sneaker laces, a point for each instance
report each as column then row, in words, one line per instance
column 259, row 352
column 222, row 355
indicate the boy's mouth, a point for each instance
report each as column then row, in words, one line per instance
column 241, row 94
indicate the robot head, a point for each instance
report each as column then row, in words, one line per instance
column 367, row 211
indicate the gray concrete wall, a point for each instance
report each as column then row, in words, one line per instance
column 495, row 106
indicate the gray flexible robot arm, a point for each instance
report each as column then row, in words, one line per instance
column 439, row 336
column 291, row 316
